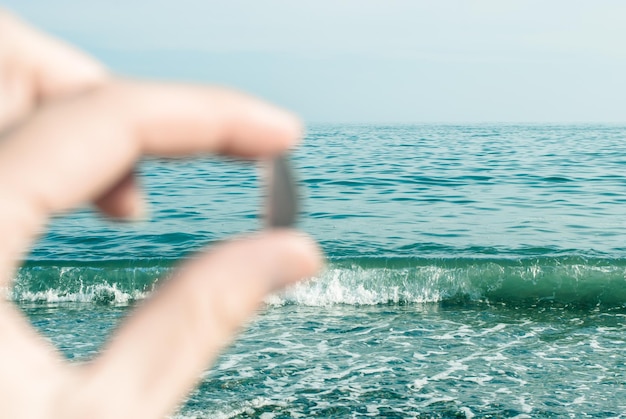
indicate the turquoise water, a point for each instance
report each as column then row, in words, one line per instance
column 473, row 271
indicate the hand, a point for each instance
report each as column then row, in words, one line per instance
column 72, row 134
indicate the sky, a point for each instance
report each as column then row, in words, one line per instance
column 365, row 61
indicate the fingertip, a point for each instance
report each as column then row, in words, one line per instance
column 301, row 257
column 268, row 261
column 293, row 127
column 283, row 129
column 275, row 129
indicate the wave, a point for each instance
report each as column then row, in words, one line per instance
column 112, row 283
column 567, row 281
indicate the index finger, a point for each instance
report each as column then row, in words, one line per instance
column 73, row 151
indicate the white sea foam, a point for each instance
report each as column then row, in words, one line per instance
column 100, row 293
column 358, row 286
column 248, row 408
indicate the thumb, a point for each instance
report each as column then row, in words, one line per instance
column 159, row 353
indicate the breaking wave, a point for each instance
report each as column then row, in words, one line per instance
column 564, row 280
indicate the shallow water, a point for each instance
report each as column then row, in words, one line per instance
column 415, row 360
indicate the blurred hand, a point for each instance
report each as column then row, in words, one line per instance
column 71, row 134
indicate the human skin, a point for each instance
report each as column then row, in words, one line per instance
column 71, row 134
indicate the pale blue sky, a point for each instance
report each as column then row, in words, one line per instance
column 370, row 61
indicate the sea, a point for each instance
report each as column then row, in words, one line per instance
column 472, row 271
